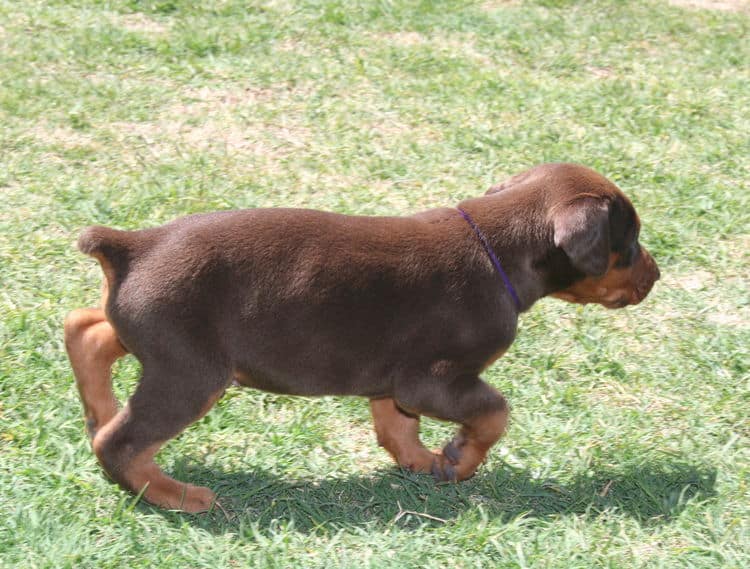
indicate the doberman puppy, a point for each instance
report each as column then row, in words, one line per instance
column 406, row 311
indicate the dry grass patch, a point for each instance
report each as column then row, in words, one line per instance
column 738, row 319
column 722, row 5
column 401, row 38
column 600, row 72
column 140, row 23
column 66, row 137
column 357, row 442
column 169, row 137
column 389, row 127
column 690, row 282
column 463, row 45
column 718, row 309
column 629, row 397
column 494, row 5
column 236, row 96
column 739, row 250
column 205, row 119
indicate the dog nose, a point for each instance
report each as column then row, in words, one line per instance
column 651, row 264
column 657, row 272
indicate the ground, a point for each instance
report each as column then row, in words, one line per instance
column 629, row 438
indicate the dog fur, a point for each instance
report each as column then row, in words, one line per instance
column 406, row 311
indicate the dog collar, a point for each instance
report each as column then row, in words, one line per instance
column 492, row 256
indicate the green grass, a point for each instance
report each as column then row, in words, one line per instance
column 629, row 441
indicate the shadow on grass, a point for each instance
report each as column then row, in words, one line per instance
column 652, row 493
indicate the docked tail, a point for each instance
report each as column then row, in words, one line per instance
column 103, row 241
column 111, row 247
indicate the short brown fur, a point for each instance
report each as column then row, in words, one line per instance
column 406, row 311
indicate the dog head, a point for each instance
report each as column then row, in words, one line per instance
column 594, row 231
column 599, row 235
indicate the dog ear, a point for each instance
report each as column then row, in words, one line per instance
column 581, row 229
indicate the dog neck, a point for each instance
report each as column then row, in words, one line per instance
column 493, row 257
column 524, row 245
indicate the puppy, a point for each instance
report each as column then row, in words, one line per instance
column 406, row 311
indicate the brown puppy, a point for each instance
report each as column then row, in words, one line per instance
column 406, row 311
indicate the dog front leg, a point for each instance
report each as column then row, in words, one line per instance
column 479, row 408
column 398, row 433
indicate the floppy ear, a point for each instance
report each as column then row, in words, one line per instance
column 582, row 230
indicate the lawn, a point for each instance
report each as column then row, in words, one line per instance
column 629, row 438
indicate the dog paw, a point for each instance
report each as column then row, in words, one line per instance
column 197, row 499
column 452, row 451
column 189, row 499
column 456, row 461
column 443, row 470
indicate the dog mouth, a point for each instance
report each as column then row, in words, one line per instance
column 628, row 291
column 642, row 290
column 618, row 303
column 617, row 298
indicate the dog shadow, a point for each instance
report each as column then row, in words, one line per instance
column 651, row 493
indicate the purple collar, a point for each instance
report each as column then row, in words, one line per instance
column 492, row 256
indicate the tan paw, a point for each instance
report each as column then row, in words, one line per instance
column 197, row 499
column 183, row 497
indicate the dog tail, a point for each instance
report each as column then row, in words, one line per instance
column 111, row 247
column 106, row 242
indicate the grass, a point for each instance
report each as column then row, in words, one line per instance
column 629, row 441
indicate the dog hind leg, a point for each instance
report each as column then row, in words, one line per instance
column 164, row 403
column 93, row 347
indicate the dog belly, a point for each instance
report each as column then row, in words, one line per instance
column 309, row 384
column 304, row 350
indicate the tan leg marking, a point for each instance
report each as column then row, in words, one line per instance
column 140, row 473
column 398, row 433
column 462, row 456
column 93, row 347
